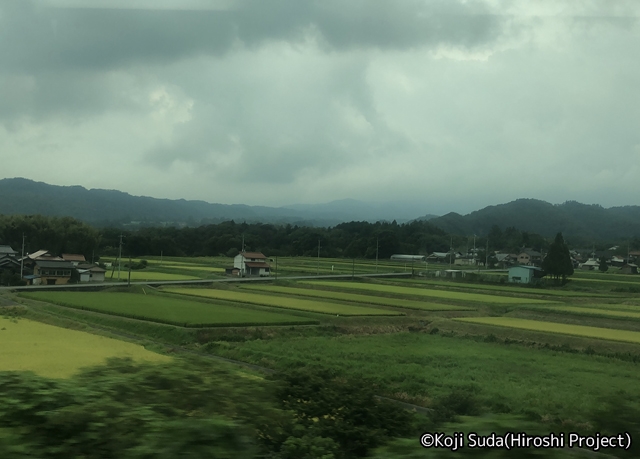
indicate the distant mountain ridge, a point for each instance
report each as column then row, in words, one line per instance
column 572, row 219
column 110, row 207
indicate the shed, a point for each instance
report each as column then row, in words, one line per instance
column 524, row 274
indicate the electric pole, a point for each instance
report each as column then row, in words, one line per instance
column 377, row 246
column 22, row 259
column 120, row 257
column 318, row 257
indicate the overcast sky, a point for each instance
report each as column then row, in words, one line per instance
column 458, row 104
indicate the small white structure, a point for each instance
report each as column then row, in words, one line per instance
column 252, row 264
column 523, row 274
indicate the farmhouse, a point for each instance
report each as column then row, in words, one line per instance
column 524, row 274
column 52, row 272
column 74, row 258
column 529, row 257
column 251, row 264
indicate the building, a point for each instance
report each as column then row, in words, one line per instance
column 628, row 268
column 74, row 258
column 251, row 264
column 524, row 274
column 529, row 257
column 407, row 258
column 90, row 273
column 52, row 272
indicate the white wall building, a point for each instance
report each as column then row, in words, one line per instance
column 252, row 264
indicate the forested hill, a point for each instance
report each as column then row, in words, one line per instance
column 580, row 222
column 19, row 196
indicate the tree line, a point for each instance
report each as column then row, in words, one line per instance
column 348, row 240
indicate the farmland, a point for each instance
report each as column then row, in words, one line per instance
column 57, row 352
column 429, row 293
column 169, row 310
column 321, row 307
column 564, row 329
column 550, row 355
column 357, row 298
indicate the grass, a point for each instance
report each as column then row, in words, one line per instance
column 441, row 294
column 356, row 298
column 284, row 302
column 421, row 367
column 552, row 327
column 165, row 309
column 57, row 352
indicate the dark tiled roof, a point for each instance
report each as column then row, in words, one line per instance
column 61, row 264
column 253, row 255
column 7, row 249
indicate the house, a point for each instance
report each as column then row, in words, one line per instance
column 529, row 257
column 590, row 264
column 90, row 273
column 628, row 268
column 74, row 258
column 52, row 272
column 9, row 265
column 524, row 274
column 252, row 264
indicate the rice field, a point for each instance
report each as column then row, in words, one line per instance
column 57, row 352
column 166, row 309
column 147, row 276
column 631, row 313
column 321, row 307
column 357, row 298
column 553, row 327
column 429, row 293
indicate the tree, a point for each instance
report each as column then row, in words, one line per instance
column 558, row 262
column 604, row 267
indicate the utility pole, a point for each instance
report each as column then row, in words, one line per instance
column 276, row 268
column 353, row 269
column 242, row 243
column 22, row 259
column 129, row 281
column 451, row 252
column 377, row 246
column 486, row 258
column 120, row 257
column 318, row 257
column 161, row 252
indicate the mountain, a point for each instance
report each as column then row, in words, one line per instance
column 111, row 207
column 575, row 220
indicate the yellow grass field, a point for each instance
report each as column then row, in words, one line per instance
column 553, row 327
column 56, row 352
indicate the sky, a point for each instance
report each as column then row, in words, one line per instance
column 455, row 105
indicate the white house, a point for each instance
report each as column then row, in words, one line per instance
column 252, row 264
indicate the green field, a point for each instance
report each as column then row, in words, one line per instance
column 57, row 352
column 356, row 298
column 429, row 293
column 147, row 276
column 506, row 288
column 552, row 327
column 165, row 309
column 284, row 302
column 631, row 313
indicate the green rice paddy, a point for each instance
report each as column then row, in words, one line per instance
column 592, row 311
column 322, row 307
column 165, row 309
column 357, row 298
column 552, row 327
column 414, row 291
column 59, row 352
column 147, row 276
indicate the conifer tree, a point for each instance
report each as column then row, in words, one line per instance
column 558, row 262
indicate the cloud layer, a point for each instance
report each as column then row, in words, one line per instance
column 461, row 104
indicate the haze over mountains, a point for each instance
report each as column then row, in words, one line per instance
column 115, row 208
